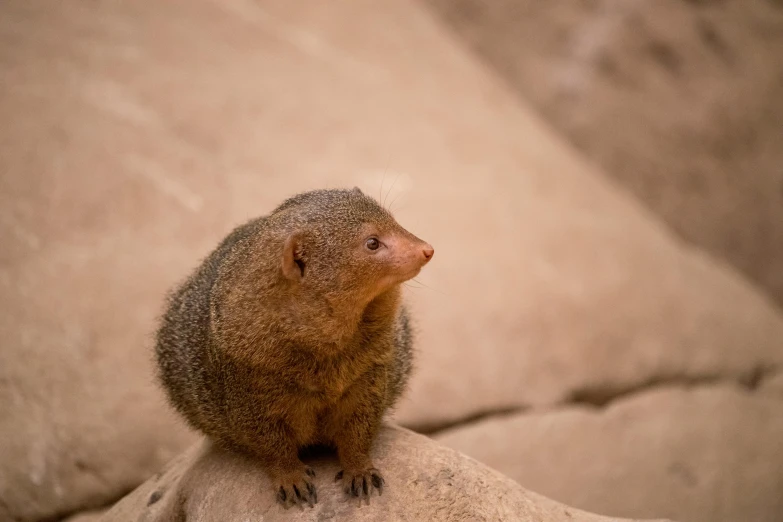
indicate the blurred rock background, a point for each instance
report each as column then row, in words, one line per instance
column 602, row 181
column 679, row 101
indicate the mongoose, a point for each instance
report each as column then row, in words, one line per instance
column 292, row 333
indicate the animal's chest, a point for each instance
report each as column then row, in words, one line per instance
column 330, row 380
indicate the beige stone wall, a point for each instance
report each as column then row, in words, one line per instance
column 679, row 102
column 135, row 135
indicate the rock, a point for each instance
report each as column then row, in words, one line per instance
column 680, row 102
column 773, row 384
column 143, row 132
column 424, row 481
column 87, row 516
column 710, row 453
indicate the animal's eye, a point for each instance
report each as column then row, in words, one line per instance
column 372, row 243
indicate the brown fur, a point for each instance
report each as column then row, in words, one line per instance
column 292, row 333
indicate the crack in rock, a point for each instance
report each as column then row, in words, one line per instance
column 601, row 395
column 431, row 428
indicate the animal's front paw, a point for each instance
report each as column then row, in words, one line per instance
column 361, row 483
column 297, row 488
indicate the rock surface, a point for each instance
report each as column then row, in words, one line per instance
column 87, row 516
column 773, row 384
column 705, row 454
column 679, row 101
column 142, row 132
column 424, row 481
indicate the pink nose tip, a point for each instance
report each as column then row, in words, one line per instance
column 428, row 252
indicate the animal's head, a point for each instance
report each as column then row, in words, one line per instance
column 341, row 244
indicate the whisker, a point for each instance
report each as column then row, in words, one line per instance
column 427, row 287
column 395, row 199
column 385, row 169
column 390, row 189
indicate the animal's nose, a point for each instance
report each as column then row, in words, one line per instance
column 428, row 252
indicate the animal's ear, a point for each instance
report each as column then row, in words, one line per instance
column 293, row 264
column 357, row 190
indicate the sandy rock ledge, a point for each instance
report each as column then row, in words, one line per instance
column 425, row 481
column 707, row 453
